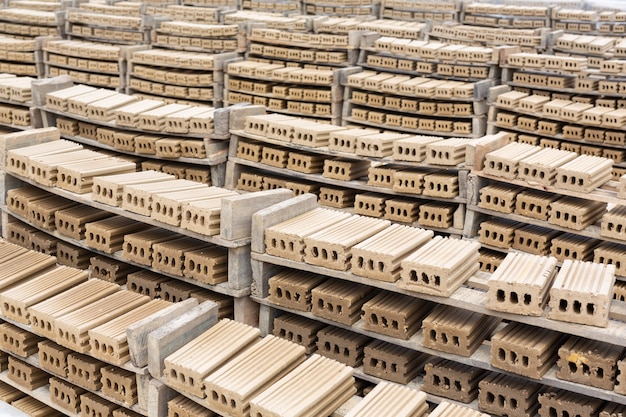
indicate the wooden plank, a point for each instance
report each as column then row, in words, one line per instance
column 246, row 311
column 168, row 338
column 239, row 269
column 158, row 396
column 278, row 213
column 236, row 213
column 137, row 333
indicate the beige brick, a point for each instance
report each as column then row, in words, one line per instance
column 514, row 396
column 589, row 362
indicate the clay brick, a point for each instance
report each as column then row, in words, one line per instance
column 174, row 290
column 345, row 170
column 231, row 388
column 93, row 405
column 565, row 402
column 375, row 258
column 499, row 197
column 439, row 267
column 584, row 173
column 442, row 185
column 336, row 197
column 610, row 253
column 65, row 394
column 169, row 256
column 25, row 375
column 369, row 204
column 456, row 331
column 589, row 362
column 505, row 162
column 612, row 410
column 534, row 239
column 541, row 167
column 452, row 380
column 146, row 283
column 339, row 301
column 573, row 247
column 138, row 247
column 110, row 270
column 401, row 210
column 394, row 315
column 184, row 407
column 41, row 213
column 53, row 357
column 412, row 148
column 19, row 233
column 335, row 385
column 44, row 243
column 208, row 265
column 293, row 288
column 119, row 384
column 382, row 176
column 613, row 223
column 249, row 151
column 524, row 350
column 410, row 181
column 448, row 152
column 17, row 341
column 498, row 232
column 17, row 199
column 298, row 329
column 392, row 363
column 9, row 394
column 108, row 234
column 286, row 239
column 342, row 345
column 74, row 256
column 509, row 395
column 489, row 260
column 534, row 204
column 35, row 408
column 584, row 302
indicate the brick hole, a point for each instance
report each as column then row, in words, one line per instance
column 374, row 319
column 514, row 298
column 563, row 305
column 527, row 299
column 330, row 307
column 525, row 361
column 394, row 324
column 591, row 309
column 456, row 341
column 457, row 386
column 298, row 338
column 433, row 335
column 436, row 380
column 577, row 307
column 444, row 338
column 514, row 359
